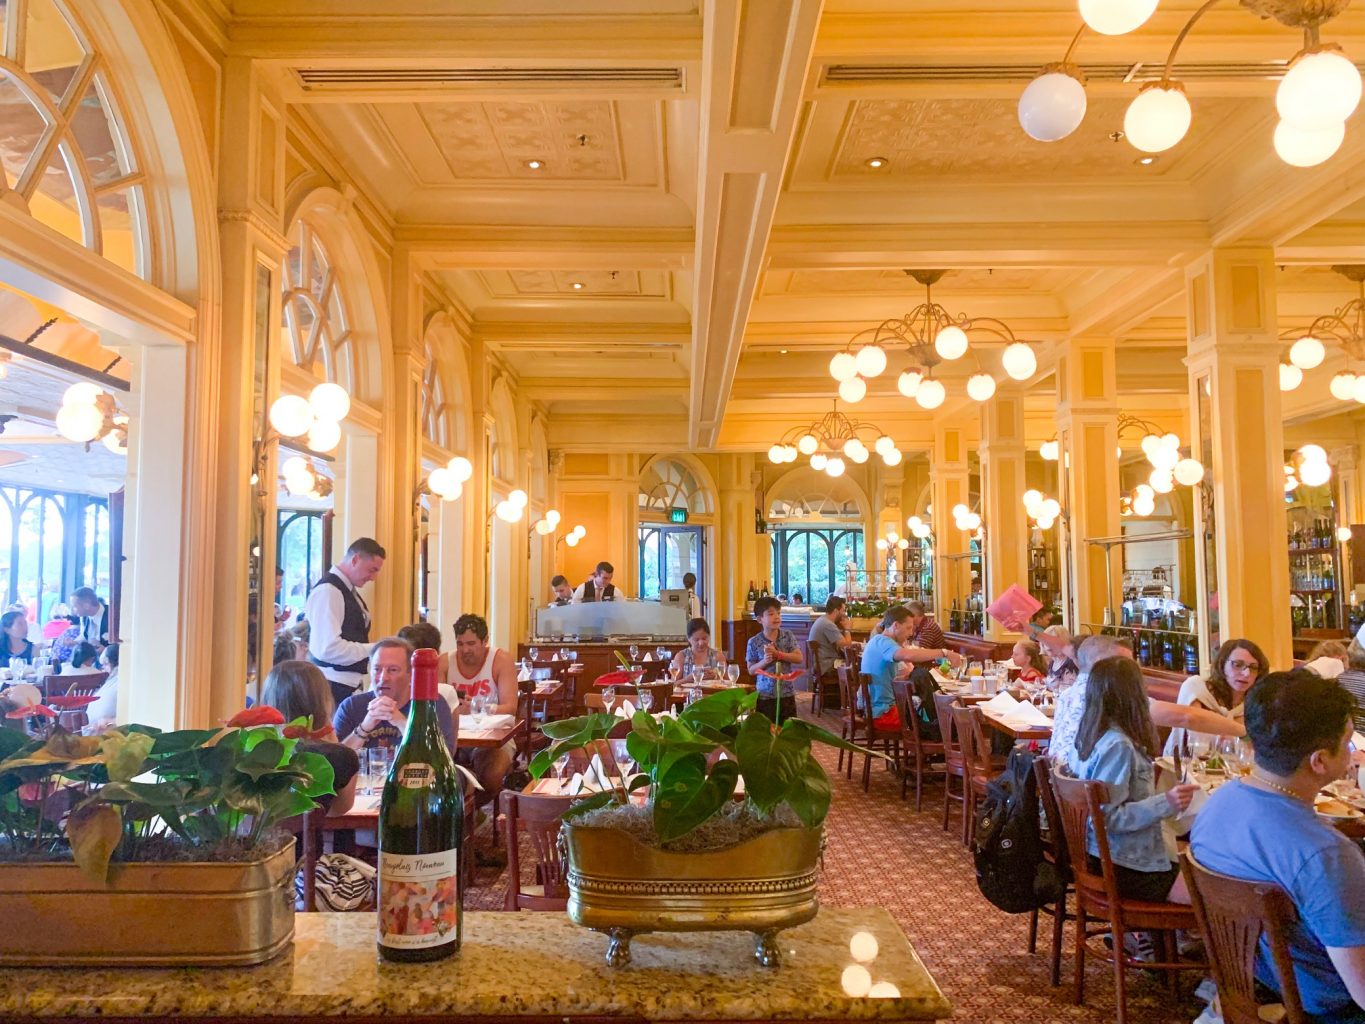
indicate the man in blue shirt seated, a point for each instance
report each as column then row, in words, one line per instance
column 882, row 653
column 1262, row 828
column 378, row 717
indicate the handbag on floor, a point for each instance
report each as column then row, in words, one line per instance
column 342, row 883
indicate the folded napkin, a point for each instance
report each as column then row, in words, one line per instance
column 1002, row 705
column 468, row 723
column 1201, row 796
column 523, row 676
column 647, row 657
column 625, row 709
column 1025, row 713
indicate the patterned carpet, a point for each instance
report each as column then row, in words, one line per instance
column 880, row 852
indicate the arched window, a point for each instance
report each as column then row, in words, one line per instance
column 434, row 419
column 811, row 561
column 299, row 552
column 94, row 571
column 666, row 485
column 316, row 326
column 37, row 580
column 63, row 146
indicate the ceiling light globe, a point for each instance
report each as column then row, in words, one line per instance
column 1019, row 361
column 860, row 455
column 1116, row 17
column 931, row 394
column 951, row 342
column 777, row 454
column 1315, row 474
column 330, row 402
column 1171, row 441
column 893, row 457
column 835, row 466
column 1358, row 389
column 908, row 383
column 871, row 360
column 973, row 520
column 1144, row 506
column 843, row 366
column 902, row 544
column 960, row 510
column 1048, row 450
column 461, row 467
column 1144, row 491
column 1313, row 453
column 1301, row 147
column 572, row 540
column 1032, row 498
column 1291, row 483
column 1051, row 508
column 440, row 480
column 1157, row 118
column 921, row 531
column 79, row 423
column 1343, row 386
column 299, row 485
column 453, row 493
column 850, row 446
column 1307, row 353
column 807, row 444
column 291, row 415
column 912, row 522
column 853, row 390
column 293, row 465
column 1165, row 460
column 882, row 545
column 1320, row 90
column 519, row 498
column 113, row 442
column 1188, row 472
column 1044, row 522
column 818, row 461
column 1162, row 481
column 1052, row 106
column 980, row 386
column 1290, row 376
column 791, row 452
column 552, row 517
column 892, row 536
column 883, row 444
column 81, row 393
column 1150, row 444
column 1343, row 533
column 324, row 435
column 545, row 527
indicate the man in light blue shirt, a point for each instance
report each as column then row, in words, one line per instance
column 880, row 657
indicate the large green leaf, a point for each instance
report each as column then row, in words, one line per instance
column 322, row 780
column 179, row 740
column 265, row 757
column 814, row 732
column 591, row 728
column 769, row 760
column 94, row 830
column 61, row 750
column 583, row 723
column 809, row 794
column 719, row 709
column 157, row 795
column 11, row 742
column 683, row 808
column 125, row 754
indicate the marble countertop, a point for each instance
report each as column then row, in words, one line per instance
column 514, row 964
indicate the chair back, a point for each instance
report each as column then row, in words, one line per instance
column 847, row 691
column 85, row 684
column 906, row 706
column 1054, row 837
column 947, row 728
column 976, row 748
column 538, row 817
column 1233, row 914
column 1080, row 805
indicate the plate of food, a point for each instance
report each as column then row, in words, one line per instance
column 1338, row 810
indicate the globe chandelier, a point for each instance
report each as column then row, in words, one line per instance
column 1044, row 511
column 1346, row 327
column 831, row 440
column 1169, row 466
column 89, row 413
column 931, row 335
column 1307, row 466
column 1320, row 88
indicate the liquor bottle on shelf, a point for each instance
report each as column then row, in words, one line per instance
column 1144, row 652
column 764, row 591
column 1191, row 656
column 421, row 826
column 752, row 596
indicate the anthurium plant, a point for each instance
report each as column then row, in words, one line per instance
column 679, row 760
column 127, row 794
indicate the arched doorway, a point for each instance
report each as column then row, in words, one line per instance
column 817, row 533
column 676, row 518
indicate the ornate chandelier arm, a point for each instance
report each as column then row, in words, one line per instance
column 1180, row 38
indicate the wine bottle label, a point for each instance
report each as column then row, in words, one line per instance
column 416, row 776
column 419, row 899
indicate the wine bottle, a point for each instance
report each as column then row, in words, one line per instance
column 421, row 825
column 753, row 594
column 764, row 592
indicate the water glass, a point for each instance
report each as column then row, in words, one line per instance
column 17, row 667
column 608, row 697
column 573, row 655
column 478, row 706
column 691, row 695
column 646, row 699
column 533, row 652
column 732, row 673
column 698, row 674
column 378, row 763
column 634, row 650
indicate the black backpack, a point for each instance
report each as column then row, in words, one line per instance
column 1011, row 871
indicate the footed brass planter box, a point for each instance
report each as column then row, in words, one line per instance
column 622, row 887
column 168, row 914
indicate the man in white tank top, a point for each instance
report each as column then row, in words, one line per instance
column 479, row 668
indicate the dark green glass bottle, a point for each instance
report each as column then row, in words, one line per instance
column 421, row 826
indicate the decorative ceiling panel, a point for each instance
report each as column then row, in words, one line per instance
column 896, row 282
column 576, row 141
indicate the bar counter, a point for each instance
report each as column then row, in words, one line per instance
column 531, row 965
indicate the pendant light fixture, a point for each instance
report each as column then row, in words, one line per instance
column 833, row 441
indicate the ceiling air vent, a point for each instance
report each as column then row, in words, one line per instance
column 872, row 74
column 477, row 79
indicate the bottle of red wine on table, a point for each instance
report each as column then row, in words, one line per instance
column 421, row 824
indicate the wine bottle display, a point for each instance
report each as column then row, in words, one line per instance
column 421, row 824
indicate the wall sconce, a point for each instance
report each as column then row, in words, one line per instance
column 573, row 536
column 512, row 508
column 968, row 521
column 1043, row 511
column 447, row 482
column 319, row 416
column 301, row 478
column 89, row 414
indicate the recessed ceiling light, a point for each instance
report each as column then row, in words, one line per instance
column 1146, row 161
column 782, row 351
column 535, row 165
column 876, row 161
column 577, row 286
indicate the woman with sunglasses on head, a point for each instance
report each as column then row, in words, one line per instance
column 1238, row 664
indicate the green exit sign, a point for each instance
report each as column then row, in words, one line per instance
column 677, row 515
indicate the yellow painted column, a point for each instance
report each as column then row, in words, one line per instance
column 1087, row 429
column 1234, row 354
column 734, row 534
column 400, row 453
column 1002, row 507
column 950, row 485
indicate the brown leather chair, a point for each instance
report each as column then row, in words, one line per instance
column 920, row 754
column 954, row 763
column 538, row 817
column 1232, row 915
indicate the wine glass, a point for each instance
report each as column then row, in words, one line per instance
column 620, row 753
column 477, row 707
column 533, row 652
column 561, row 763
column 608, row 697
column 646, row 699
column 698, row 674
column 732, row 673
column 634, row 650
column 572, row 655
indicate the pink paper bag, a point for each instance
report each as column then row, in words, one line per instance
column 1014, row 607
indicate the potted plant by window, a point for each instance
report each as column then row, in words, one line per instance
column 727, row 837
column 143, row 847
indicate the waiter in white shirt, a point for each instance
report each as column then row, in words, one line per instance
column 339, row 621
column 596, row 587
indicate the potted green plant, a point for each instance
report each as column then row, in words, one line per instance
column 728, row 836
column 143, row 847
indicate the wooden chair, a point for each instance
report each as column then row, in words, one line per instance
column 538, row 817
column 954, row 762
column 981, row 766
column 822, row 679
column 889, row 740
column 854, row 725
column 919, row 752
column 1080, row 805
column 1054, row 849
column 1232, row 915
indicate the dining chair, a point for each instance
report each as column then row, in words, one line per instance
column 954, row 764
column 853, row 724
column 1055, row 851
column 1233, row 914
column 889, row 740
column 977, row 774
column 1080, row 805
column 538, row 818
column 920, row 754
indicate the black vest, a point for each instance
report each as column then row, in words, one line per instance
column 355, row 623
column 590, row 591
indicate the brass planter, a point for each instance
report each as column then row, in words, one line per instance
column 149, row 915
column 622, row 887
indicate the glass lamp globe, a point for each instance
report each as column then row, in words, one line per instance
column 791, row 452
column 1165, row 459
column 1052, row 106
column 1051, row 507
column 931, row 394
column 293, row 465
column 115, row 443
column 951, row 342
column 1358, row 389
column 835, row 466
column 1290, row 376
column 1343, row 386
column 453, row 492
column 544, row 527
column 1150, row 443
column 1307, row 353
column 1320, row 90
column 807, row 444
column 870, row 360
column 1188, row 472
column 291, row 415
column 777, row 455
column 519, row 498
column 883, row 444
column 1144, row 506
column 908, row 383
column 81, row 393
column 902, row 544
column 324, row 435
column 1162, row 481
column 1302, row 147
column 580, row 531
column 850, row 446
column 79, row 423
column 882, row 545
column 440, row 480
column 1032, row 497
column 1019, row 361
column 1144, row 491
column 1044, row 522
column 853, row 390
column 461, row 467
column 299, row 483
column 893, row 457
column 912, row 522
column 1343, row 533
column 552, row 517
column 1171, row 441
column 330, row 402
column 1116, row 17
column 1313, row 453
column 572, row 540
column 960, row 510
column 1157, row 118
column 1048, row 450
column 1315, row 474
column 860, row 454
column 843, row 366
column 980, row 386
column 818, row 461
